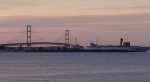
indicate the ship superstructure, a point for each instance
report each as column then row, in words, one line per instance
column 123, row 47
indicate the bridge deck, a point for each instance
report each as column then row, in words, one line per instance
column 33, row 43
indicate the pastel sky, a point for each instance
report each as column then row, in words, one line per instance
column 72, row 7
column 104, row 20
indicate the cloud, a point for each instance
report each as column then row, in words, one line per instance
column 72, row 7
column 118, row 8
column 126, row 22
column 17, row 2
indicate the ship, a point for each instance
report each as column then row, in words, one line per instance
column 123, row 47
column 105, row 48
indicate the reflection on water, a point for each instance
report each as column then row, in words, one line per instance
column 74, row 67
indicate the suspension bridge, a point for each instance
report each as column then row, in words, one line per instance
column 30, row 43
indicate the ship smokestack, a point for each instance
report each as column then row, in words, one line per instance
column 121, row 42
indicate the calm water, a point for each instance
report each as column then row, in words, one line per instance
column 75, row 67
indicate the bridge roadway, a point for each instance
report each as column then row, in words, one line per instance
column 33, row 43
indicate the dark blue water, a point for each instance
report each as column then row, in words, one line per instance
column 75, row 67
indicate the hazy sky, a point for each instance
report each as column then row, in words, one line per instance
column 106, row 20
column 72, row 7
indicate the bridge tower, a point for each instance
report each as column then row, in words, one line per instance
column 28, row 40
column 67, row 38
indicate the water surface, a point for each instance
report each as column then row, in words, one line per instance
column 75, row 67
